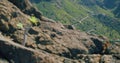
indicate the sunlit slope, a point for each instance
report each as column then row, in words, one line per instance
column 92, row 16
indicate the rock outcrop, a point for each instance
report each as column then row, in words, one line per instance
column 16, row 53
column 50, row 41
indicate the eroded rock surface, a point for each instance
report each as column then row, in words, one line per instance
column 50, row 41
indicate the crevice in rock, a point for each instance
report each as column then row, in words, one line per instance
column 8, row 31
column 57, row 32
column 74, row 52
column 66, row 54
column 99, row 48
column 32, row 31
column 43, row 41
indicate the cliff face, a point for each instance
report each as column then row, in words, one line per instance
column 49, row 41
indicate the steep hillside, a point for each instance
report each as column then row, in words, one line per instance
column 26, row 36
column 84, row 14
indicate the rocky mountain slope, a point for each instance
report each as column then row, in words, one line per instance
column 48, row 41
column 98, row 14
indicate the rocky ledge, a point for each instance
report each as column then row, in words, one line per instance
column 48, row 41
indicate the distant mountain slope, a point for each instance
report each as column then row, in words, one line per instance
column 94, row 16
column 50, row 41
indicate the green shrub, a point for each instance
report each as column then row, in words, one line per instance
column 20, row 26
column 33, row 20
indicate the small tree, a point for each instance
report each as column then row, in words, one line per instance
column 26, row 29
